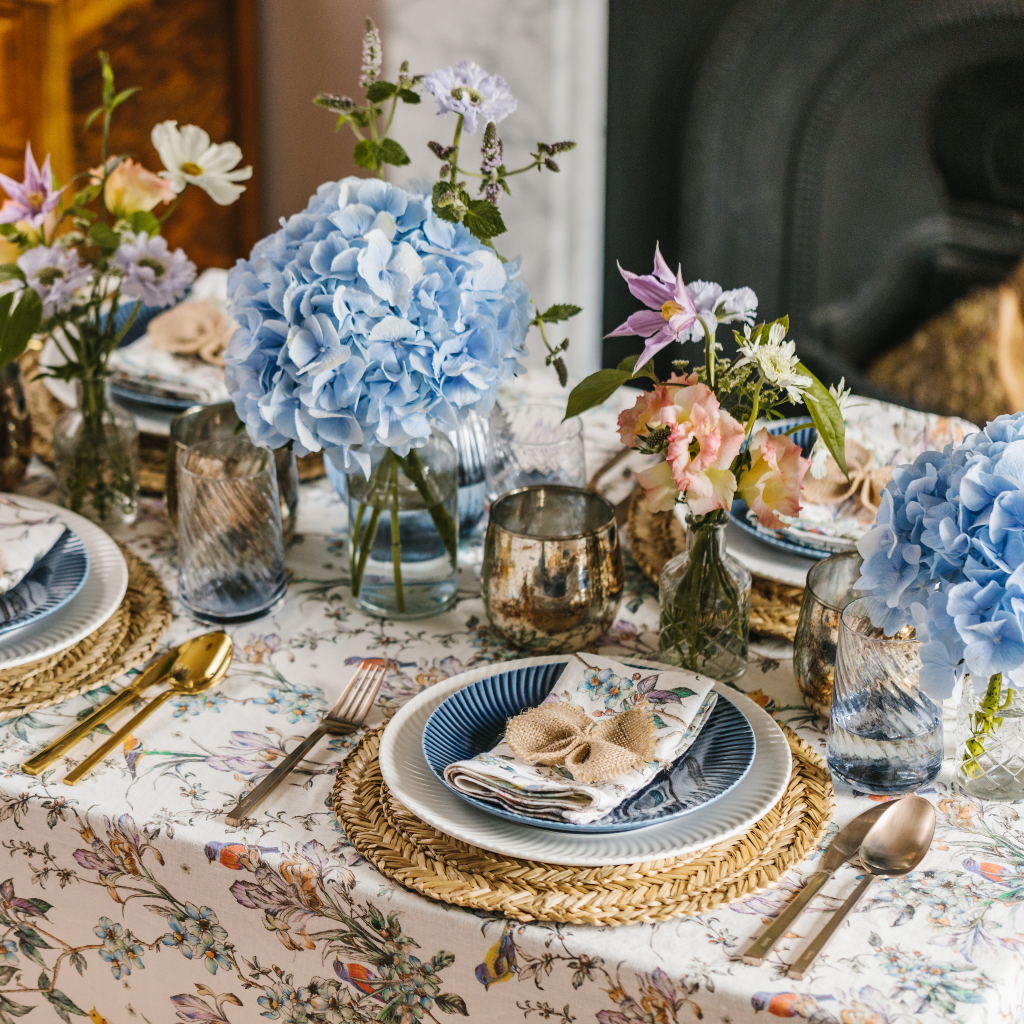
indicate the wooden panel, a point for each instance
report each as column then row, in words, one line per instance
column 185, row 58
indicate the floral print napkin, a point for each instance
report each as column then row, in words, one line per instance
column 681, row 703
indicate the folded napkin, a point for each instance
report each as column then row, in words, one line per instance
column 678, row 703
column 26, row 535
column 145, row 366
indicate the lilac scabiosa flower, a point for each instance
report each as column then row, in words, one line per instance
column 151, row 271
column 33, row 198
column 468, row 90
column 56, row 274
column 365, row 320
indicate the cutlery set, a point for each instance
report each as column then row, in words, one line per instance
column 196, row 666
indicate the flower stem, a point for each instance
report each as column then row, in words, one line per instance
column 455, row 149
column 984, row 722
column 446, row 526
column 396, row 543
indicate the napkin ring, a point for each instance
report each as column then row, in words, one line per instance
column 565, row 735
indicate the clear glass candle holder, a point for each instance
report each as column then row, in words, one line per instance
column 530, row 446
column 230, row 554
column 990, row 742
column 884, row 732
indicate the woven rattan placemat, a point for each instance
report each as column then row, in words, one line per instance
column 127, row 639
column 655, row 537
column 419, row 857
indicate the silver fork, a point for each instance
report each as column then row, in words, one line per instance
column 346, row 716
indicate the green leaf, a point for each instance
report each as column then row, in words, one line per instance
column 441, row 959
column 11, row 272
column 123, row 95
column 594, row 390
column 392, row 153
column 483, row 219
column 360, row 118
column 85, row 195
column 63, row 1005
column 41, row 906
column 560, row 311
column 408, row 96
column 449, row 1002
column 377, row 92
column 449, row 213
column 629, row 363
column 143, row 220
column 108, row 78
column 828, row 418
column 367, row 154
column 92, row 117
column 104, row 237
column 13, row 1009
column 6, row 973
column 17, row 327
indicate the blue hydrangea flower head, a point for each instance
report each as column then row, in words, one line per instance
column 366, row 320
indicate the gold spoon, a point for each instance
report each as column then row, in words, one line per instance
column 895, row 846
column 158, row 671
column 204, row 667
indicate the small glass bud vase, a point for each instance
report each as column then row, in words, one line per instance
column 990, row 742
column 96, row 456
column 705, row 604
column 404, row 531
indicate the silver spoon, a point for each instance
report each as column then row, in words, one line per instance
column 895, row 845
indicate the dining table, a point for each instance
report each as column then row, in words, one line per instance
column 128, row 898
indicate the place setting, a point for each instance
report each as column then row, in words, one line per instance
column 628, row 664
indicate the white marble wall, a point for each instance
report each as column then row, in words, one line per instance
column 553, row 55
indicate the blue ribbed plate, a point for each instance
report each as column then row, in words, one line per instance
column 738, row 513
column 472, row 720
column 53, row 581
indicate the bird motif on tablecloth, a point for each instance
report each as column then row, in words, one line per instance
column 1011, row 878
column 360, row 978
column 790, row 1004
column 499, row 962
column 237, row 856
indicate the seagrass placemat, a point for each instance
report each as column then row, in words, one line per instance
column 416, row 855
column 127, row 639
column 655, row 537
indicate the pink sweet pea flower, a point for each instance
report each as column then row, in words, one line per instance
column 131, row 188
column 671, row 311
column 33, row 198
column 772, row 483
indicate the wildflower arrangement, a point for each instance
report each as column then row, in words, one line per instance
column 706, row 420
column 88, row 256
column 381, row 312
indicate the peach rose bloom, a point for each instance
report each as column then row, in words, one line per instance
column 772, row 483
column 131, row 188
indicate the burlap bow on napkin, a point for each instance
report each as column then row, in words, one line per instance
column 564, row 734
column 866, row 481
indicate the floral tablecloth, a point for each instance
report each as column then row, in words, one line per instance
column 127, row 898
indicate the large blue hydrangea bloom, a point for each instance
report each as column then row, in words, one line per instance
column 947, row 554
column 365, row 320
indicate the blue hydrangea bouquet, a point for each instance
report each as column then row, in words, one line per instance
column 377, row 319
column 946, row 556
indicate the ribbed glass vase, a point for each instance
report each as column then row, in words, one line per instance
column 705, row 604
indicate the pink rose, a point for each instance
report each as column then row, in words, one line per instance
column 772, row 483
column 131, row 188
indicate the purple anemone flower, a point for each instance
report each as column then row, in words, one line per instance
column 33, row 198
column 671, row 311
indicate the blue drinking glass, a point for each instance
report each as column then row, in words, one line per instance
column 230, row 554
column 884, row 732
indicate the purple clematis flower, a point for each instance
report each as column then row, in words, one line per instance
column 671, row 313
column 32, row 199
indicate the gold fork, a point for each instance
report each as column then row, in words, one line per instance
column 346, row 716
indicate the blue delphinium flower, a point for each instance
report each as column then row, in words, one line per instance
column 947, row 554
column 365, row 320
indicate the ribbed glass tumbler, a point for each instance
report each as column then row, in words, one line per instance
column 884, row 733
column 230, row 555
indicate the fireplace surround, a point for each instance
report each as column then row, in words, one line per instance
column 859, row 164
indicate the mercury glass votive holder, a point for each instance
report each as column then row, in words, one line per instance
column 829, row 589
column 230, row 553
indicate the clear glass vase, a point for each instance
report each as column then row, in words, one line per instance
column 884, row 732
column 990, row 742
column 96, row 456
column 404, row 531
column 15, row 427
column 705, row 604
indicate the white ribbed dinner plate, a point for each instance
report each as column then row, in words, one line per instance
column 413, row 783
column 98, row 599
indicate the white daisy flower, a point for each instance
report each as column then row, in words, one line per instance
column 777, row 362
column 190, row 158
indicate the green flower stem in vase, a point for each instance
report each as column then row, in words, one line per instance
column 990, row 741
column 705, row 604
column 404, row 535
column 96, row 455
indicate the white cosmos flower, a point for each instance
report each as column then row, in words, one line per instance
column 819, row 453
column 190, row 158
column 777, row 361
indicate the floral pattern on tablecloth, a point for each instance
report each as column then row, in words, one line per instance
column 126, row 898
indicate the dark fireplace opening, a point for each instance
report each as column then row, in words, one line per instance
column 859, row 164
